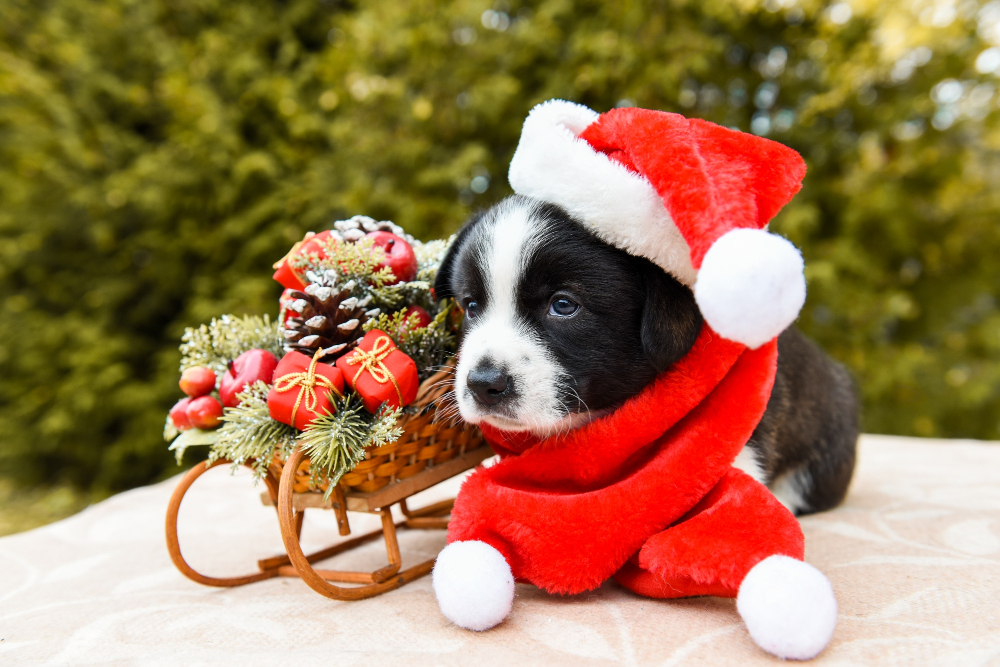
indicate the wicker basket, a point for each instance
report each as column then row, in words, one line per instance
column 429, row 451
column 427, row 441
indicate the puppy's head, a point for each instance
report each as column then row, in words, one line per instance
column 558, row 324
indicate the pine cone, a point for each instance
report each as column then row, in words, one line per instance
column 325, row 318
column 354, row 230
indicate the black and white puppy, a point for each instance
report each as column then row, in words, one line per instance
column 561, row 327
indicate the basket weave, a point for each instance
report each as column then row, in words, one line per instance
column 427, row 441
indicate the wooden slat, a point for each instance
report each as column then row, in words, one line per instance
column 368, row 502
column 302, row 501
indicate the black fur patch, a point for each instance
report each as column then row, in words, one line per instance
column 634, row 320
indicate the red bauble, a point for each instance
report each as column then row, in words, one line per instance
column 178, row 414
column 289, row 276
column 246, row 369
column 380, row 372
column 423, row 317
column 197, row 381
column 398, row 255
column 204, row 412
column 302, row 390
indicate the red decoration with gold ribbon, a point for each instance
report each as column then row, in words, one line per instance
column 380, row 372
column 288, row 275
column 302, row 389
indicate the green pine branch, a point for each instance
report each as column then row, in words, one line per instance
column 215, row 344
column 430, row 347
column 248, row 432
column 361, row 262
column 336, row 442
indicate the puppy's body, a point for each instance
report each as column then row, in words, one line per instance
column 561, row 327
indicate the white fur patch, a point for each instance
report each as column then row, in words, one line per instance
column 746, row 461
column 500, row 334
column 789, row 489
column 788, row 607
column 621, row 207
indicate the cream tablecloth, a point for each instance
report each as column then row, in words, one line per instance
column 914, row 557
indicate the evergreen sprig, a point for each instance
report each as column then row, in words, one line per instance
column 429, row 256
column 336, row 442
column 248, row 432
column 361, row 261
column 215, row 344
column 429, row 346
column 400, row 295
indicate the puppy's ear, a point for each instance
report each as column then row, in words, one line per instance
column 442, row 283
column 671, row 320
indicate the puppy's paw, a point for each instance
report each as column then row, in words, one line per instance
column 788, row 607
column 473, row 584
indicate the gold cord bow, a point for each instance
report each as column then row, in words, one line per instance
column 307, row 383
column 372, row 362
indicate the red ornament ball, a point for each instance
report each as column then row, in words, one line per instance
column 423, row 317
column 399, row 255
column 204, row 412
column 178, row 414
column 246, row 369
column 197, row 381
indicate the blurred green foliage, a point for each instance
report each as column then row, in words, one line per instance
column 22, row 509
column 156, row 156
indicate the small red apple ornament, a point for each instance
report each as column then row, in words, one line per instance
column 204, row 412
column 178, row 414
column 398, row 255
column 246, row 369
column 197, row 381
column 423, row 317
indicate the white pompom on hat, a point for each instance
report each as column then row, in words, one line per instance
column 692, row 196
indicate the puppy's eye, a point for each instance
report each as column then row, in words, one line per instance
column 563, row 307
column 471, row 308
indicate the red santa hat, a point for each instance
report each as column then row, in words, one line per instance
column 692, row 196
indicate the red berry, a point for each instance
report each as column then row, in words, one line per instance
column 178, row 415
column 398, row 255
column 197, row 381
column 423, row 317
column 246, row 369
column 204, row 412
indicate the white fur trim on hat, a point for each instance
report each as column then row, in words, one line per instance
column 788, row 607
column 473, row 584
column 621, row 207
column 751, row 286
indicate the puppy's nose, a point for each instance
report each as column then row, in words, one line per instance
column 490, row 385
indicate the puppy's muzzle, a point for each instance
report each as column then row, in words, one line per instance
column 490, row 385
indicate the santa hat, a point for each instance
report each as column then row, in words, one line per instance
column 691, row 196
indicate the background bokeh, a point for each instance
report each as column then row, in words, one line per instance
column 156, row 156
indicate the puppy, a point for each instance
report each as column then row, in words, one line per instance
column 561, row 328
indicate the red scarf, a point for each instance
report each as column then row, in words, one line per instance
column 569, row 511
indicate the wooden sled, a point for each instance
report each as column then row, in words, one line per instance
column 429, row 452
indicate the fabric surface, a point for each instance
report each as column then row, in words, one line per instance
column 913, row 555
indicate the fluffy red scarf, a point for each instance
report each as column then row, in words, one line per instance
column 646, row 494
